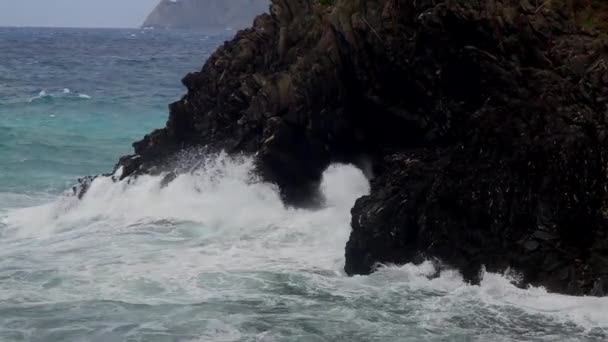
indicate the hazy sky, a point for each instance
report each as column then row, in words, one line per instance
column 75, row 13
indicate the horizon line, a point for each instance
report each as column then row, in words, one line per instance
column 71, row 27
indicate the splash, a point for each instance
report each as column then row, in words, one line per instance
column 221, row 237
column 235, row 213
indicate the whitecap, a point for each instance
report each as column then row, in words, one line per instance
column 63, row 93
column 41, row 95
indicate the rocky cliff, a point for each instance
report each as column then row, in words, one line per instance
column 209, row 14
column 485, row 123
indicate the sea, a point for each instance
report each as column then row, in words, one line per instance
column 215, row 255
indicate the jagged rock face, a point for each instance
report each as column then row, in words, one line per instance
column 485, row 122
column 207, row 14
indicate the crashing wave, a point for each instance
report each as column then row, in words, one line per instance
column 219, row 220
column 222, row 220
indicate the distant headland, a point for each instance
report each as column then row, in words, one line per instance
column 208, row 14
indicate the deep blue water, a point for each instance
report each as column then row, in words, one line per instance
column 214, row 256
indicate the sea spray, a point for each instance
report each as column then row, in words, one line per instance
column 232, row 208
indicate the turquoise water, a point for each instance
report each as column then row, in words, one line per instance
column 71, row 101
column 214, row 256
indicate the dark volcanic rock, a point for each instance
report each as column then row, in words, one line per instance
column 485, row 122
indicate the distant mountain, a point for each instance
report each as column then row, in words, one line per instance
column 205, row 13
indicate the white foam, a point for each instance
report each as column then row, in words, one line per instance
column 588, row 312
column 496, row 294
column 219, row 231
column 239, row 216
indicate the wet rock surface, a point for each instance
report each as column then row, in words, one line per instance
column 484, row 123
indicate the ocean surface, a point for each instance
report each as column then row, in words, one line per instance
column 214, row 256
